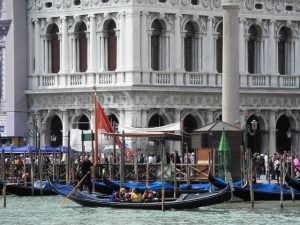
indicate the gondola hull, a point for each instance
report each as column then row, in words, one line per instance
column 294, row 183
column 262, row 192
column 185, row 201
column 21, row 190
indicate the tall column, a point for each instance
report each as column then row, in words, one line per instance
column 30, row 46
column 93, row 46
column 177, row 50
column 37, row 49
column 272, row 132
column 272, row 46
column 231, row 81
column 242, row 46
column 64, row 68
column 46, row 55
column 209, row 55
column 102, row 53
column 144, row 42
column 65, row 123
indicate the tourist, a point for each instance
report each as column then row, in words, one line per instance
column 148, row 195
column 136, row 196
column 277, row 168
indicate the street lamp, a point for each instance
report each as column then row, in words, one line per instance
column 32, row 129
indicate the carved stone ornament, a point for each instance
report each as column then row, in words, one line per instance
column 152, row 1
column 202, row 24
column 95, row 2
column 279, row 5
column 184, row 2
column 173, row 2
column 86, row 2
column 30, row 4
column 68, row 3
column 206, row 3
column 217, row 3
column 297, row 5
column 58, row 3
column 269, row 4
column 116, row 1
column 40, row 4
column 249, row 4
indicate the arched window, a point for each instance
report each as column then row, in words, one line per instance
column 52, row 50
column 219, row 48
column 189, row 48
column 111, row 46
column 156, row 45
column 285, row 51
column 80, row 48
column 254, row 50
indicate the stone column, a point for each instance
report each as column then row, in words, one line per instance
column 65, row 46
column 177, row 50
column 30, row 46
column 46, row 55
column 272, row 132
column 144, row 42
column 231, row 81
column 37, row 49
column 272, row 46
column 93, row 46
column 208, row 59
column 242, row 47
column 66, row 128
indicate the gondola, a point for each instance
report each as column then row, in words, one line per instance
column 294, row 183
column 262, row 192
column 22, row 190
column 157, row 185
column 185, row 201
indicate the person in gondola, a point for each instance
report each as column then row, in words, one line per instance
column 148, row 195
column 86, row 173
column 136, row 196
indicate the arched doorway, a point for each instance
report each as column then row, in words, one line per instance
column 56, row 132
column 83, row 123
column 113, row 120
column 156, row 121
column 282, row 140
column 189, row 125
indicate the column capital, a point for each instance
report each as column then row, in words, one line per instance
column 231, row 3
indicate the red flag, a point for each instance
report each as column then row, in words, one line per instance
column 102, row 122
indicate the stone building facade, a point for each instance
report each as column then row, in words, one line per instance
column 157, row 62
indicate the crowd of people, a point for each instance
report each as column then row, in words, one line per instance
column 270, row 166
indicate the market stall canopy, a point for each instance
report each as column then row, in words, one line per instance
column 172, row 127
column 218, row 126
column 151, row 135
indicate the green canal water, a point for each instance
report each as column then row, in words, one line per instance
column 46, row 210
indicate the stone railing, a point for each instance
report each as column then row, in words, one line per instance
column 157, row 78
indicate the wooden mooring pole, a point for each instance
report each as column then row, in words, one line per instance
column 3, row 177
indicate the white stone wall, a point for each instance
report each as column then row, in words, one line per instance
column 173, row 92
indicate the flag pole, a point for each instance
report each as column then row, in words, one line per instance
column 96, row 130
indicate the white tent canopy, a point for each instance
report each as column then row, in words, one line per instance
column 172, row 127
